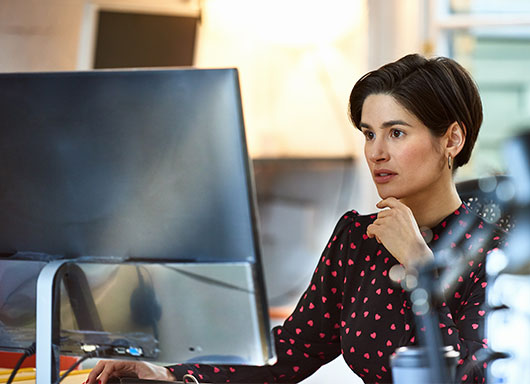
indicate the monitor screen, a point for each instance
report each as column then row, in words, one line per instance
column 137, row 165
column 141, row 179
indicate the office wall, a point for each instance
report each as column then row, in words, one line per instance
column 42, row 35
column 38, row 35
column 297, row 60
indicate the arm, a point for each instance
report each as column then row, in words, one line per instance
column 309, row 338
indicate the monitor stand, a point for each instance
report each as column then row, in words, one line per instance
column 48, row 313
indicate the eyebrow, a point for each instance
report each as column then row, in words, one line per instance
column 387, row 124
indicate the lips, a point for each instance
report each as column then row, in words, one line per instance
column 383, row 172
column 383, row 175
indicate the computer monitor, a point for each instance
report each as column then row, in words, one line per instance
column 141, row 179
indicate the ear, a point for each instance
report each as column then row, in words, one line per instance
column 455, row 139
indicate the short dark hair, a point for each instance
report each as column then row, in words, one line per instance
column 438, row 91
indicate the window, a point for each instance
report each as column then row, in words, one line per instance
column 491, row 38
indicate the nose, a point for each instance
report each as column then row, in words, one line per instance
column 376, row 151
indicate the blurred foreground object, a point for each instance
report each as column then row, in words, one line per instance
column 508, row 292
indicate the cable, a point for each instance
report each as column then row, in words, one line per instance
column 74, row 366
column 99, row 352
column 187, row 377
column 28, row 352
column 31, row 351
column 208, row 280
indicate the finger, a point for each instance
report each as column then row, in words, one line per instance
column 103, row 371
column 389, row 202
column 374, row 230
column 106, row 374
column 370, row 231
column 103, row 378
column 384, row 213
column 94, row 373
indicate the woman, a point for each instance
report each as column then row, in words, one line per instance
column 420, row 118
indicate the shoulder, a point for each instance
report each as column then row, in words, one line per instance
column 470, row 233
column 352, row 224
column 349, row 234
column 494, row 235
column 354, row 219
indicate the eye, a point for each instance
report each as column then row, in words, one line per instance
column 396, row 133
column 369, row 135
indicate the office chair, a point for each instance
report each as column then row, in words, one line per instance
column 490, row 198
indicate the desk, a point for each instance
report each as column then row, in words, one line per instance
column 27, row 376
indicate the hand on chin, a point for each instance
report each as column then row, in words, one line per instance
column 396, row 228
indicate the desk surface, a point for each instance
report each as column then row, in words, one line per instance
column 27, row 376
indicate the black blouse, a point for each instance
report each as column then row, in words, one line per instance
column 352, row 307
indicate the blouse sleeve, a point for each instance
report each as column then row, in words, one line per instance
column 309, row 338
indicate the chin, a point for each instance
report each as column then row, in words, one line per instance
column 385, row 193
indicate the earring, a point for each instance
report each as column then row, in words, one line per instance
column 450, row 162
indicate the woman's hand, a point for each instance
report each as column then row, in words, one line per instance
column 397, row 230
column 106, row 369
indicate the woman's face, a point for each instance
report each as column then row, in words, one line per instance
column 406, row 161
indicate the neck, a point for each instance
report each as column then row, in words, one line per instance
column 430, row 207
